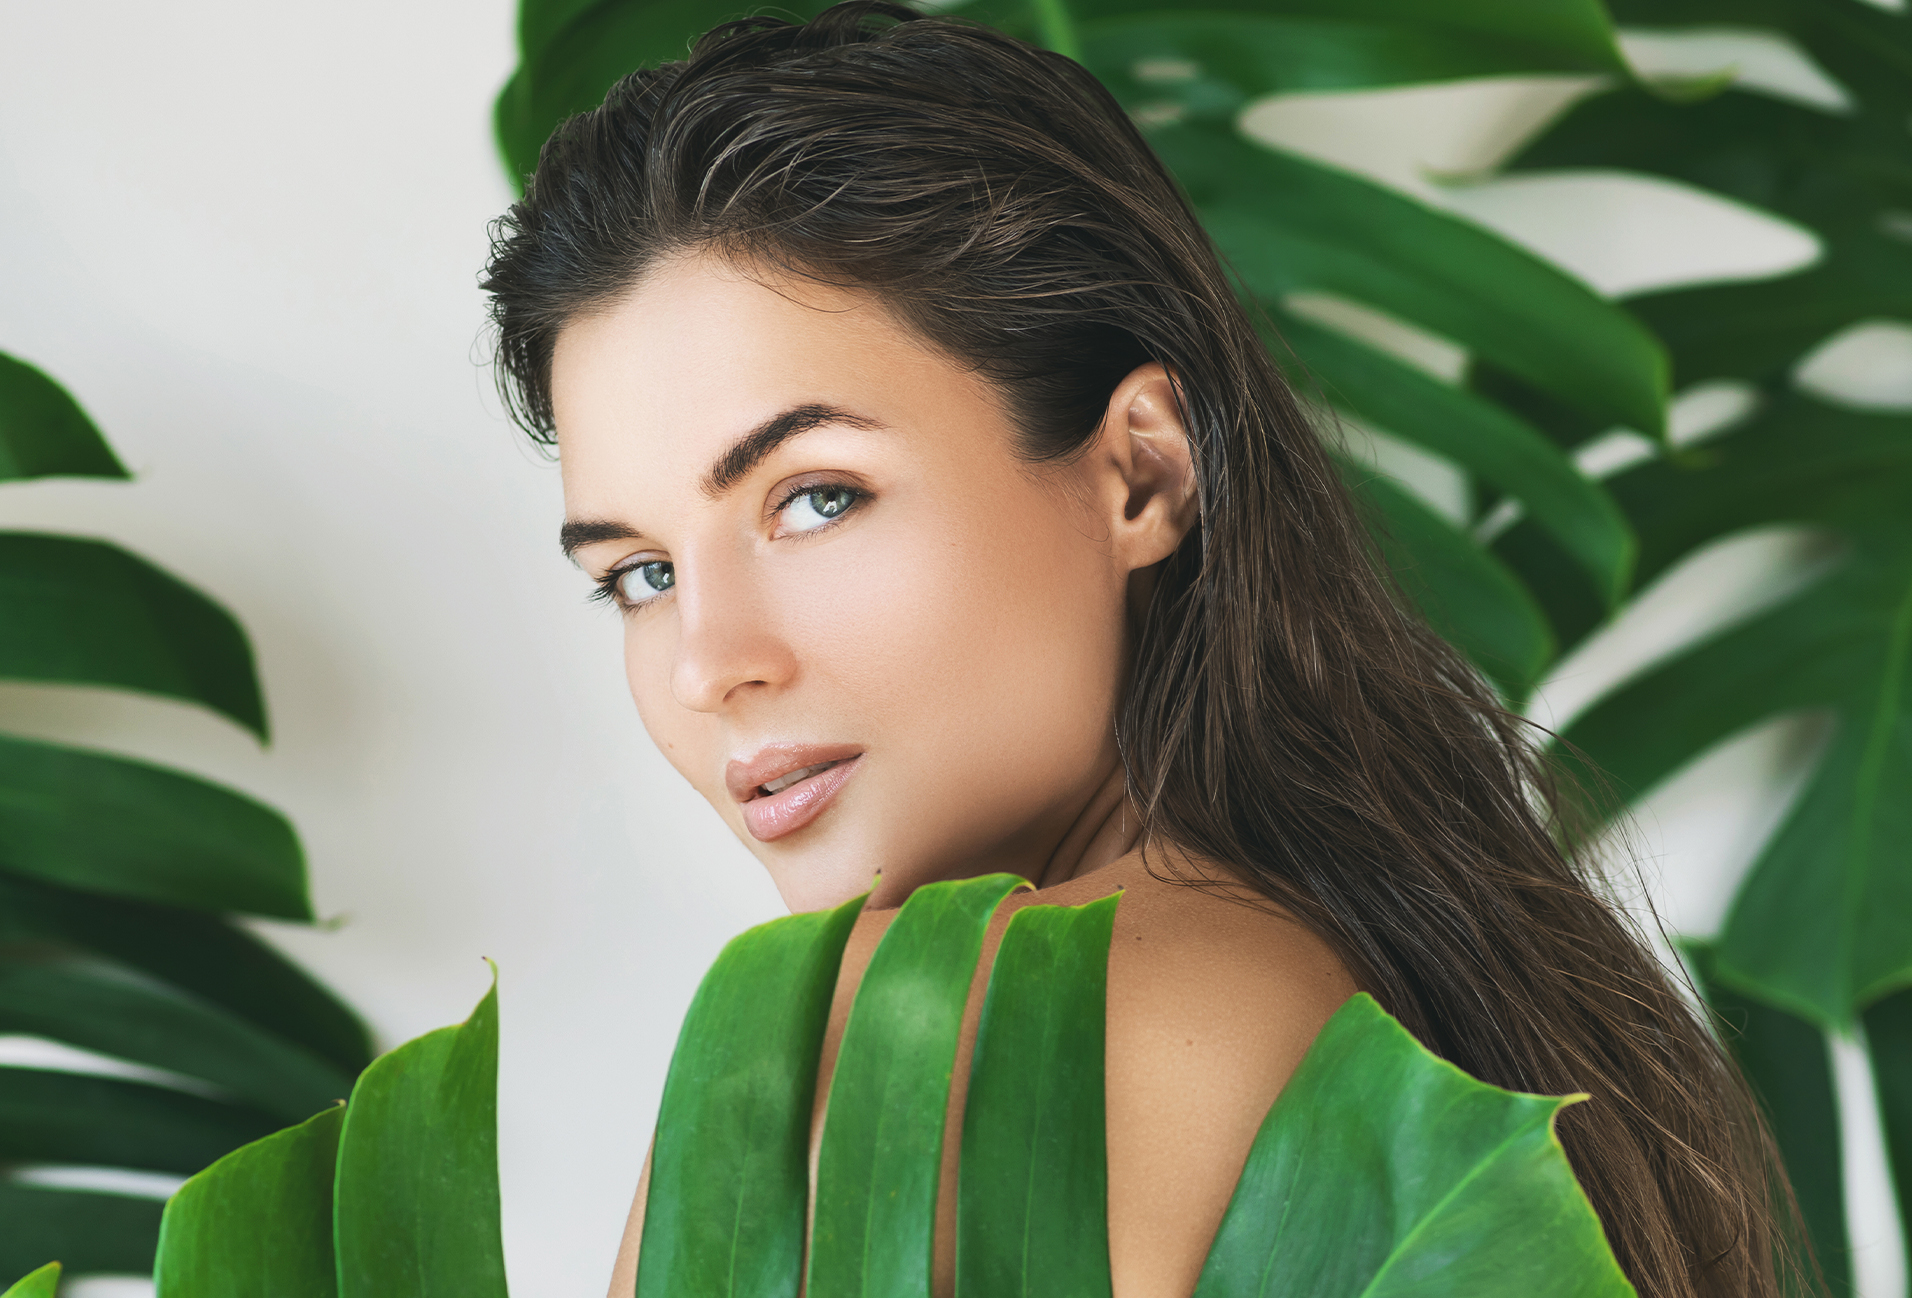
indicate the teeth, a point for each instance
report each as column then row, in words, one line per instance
column 783, row 782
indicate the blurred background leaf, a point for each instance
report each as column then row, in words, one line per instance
column 1820, row 935
column 117, row 883
column 43, row 431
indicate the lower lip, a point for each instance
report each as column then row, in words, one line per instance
column 788, row 810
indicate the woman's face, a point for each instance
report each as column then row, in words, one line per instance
column 866, row 631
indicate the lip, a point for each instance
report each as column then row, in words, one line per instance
column 771, row 816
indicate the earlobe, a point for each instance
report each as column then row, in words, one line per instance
column 1146, row 444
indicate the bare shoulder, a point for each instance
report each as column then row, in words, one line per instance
column 1207, row 978
column 1214, row 997
column 1219, row 970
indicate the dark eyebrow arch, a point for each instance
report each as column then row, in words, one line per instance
column 589, row 531
column 750, row 450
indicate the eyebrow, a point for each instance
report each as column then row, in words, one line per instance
column 750, row 450
column 730, row 468
column 577, row 533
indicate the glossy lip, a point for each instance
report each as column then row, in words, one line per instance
column 771, row 816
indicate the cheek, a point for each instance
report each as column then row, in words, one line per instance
column 679, row 733
column 988, row 653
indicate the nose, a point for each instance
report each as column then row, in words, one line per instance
column 727, row 641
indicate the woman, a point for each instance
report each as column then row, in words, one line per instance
column 961, row 523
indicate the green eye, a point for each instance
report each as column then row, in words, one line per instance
column 812, row 509
column 830, row 501
column 646, row 580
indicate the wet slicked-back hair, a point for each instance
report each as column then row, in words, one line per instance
column 1287, row 716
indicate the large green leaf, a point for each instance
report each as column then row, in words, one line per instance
column 1478, row 435
column 1383, row 1170
column 1788, row 1063
column 1287, row 224
column 883, row 1130
column 59, row 1117
column 1033, row 1216
column 89, row 1232
column 206, row 955
column 89, row 613
column 107, row 824
column 1463, row 591
column 152, row 1024
column 417, row 1200
column 43, row 431
column 258, row 1222
column 730, row 1173
column 1816, row 929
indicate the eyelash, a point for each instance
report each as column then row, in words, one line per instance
column 857, row 496
column 604, row 590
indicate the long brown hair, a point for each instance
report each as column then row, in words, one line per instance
column 1287, row 715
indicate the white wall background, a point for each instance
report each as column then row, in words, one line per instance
column 247, row 237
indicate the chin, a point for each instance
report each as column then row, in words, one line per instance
column 806, row 886
column 820, row 874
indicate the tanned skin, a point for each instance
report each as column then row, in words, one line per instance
column 946, row 629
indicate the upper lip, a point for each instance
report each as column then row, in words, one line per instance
column 773, row 761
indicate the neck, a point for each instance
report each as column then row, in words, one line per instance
column 1107, row 830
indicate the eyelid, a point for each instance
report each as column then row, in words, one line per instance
column 787, row 493
column 630, row 561
column 605, row 588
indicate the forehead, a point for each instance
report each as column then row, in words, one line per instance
column 702, row 351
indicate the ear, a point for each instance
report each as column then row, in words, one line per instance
column 1144, row 470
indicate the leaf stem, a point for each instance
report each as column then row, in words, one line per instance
column 1057, row 27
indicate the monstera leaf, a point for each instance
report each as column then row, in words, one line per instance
column 1439, row 1184
column 882, row 1135
column 1816, row 938
column 1214, row 59
column 1417, row 1178
column 117, row 879
column 1380, row 1169
column 1786, row 1060
column 1819, row 927
column 730, row 1170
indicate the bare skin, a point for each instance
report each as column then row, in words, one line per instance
column 1212, row 1003
column 878, row 641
